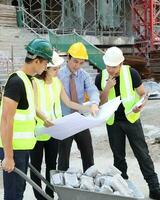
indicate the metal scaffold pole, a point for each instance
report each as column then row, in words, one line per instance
column 146, row 25
column 92, row 17
column 43, row 9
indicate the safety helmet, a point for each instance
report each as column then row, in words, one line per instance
column 56, row 60
column 78, row 50
column 40, row 47
column 113, row 57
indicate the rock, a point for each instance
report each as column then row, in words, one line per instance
column 92, row 171
column 71, row 180
column 57, row 179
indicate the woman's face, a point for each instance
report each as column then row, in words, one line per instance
column 52, row 71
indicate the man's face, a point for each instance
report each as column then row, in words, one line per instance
column 75, row 64
column 40, row 66
column 113, row 71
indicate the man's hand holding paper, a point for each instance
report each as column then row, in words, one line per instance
column 139, row 105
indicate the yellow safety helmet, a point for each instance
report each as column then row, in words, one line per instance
column 78, row 50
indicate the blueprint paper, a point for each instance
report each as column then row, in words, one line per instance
column 74, row 123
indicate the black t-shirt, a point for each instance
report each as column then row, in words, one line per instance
column 136, row 81
column 15, row 90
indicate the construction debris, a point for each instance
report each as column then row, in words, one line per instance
column 71, row 179
column 58, row 179
column 110, row 182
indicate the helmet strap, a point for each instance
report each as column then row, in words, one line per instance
column 31, row 56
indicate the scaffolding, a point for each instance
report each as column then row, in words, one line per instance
column 146, row 25
column 86, row 17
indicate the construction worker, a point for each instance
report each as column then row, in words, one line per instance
column 48, row 92
column 18, row 118
column 118, row 79
column 76, row 82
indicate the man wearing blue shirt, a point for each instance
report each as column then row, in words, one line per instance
column 82, row 82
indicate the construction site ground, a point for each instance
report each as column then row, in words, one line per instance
column 103, row 156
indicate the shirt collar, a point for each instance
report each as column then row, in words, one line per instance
column 68, row 72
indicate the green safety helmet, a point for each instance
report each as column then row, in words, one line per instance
column 39, row 47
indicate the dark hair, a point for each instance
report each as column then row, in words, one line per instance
column 30, row 60
column 42, row 76
column 69, row 56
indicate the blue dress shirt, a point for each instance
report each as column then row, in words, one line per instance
column 83, row 83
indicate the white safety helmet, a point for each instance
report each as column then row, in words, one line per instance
column 56, row 60
column 113, row 57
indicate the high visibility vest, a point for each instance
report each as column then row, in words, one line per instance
column 48, row 96
column 128, row 95
column 24, row 120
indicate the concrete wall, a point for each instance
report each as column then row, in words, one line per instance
column 8, row 2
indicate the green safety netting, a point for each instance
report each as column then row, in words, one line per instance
column 62, row 43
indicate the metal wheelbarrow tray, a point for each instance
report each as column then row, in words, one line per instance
column 65, row 193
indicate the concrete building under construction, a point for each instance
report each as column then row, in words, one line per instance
column 134, row 25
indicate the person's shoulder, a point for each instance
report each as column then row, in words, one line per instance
column 82, row 73
column 63, row 69
column 62, row 72
column 136, row 78
column 134, row 72
column 14, row 79
column 56, row 79
column 98, row 81
column 14, row 88
column 99, row 75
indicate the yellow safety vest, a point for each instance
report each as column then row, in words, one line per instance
column 48, row 102
column 24, row 120
column 128, row 95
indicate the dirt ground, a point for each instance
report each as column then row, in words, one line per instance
column 103, row 157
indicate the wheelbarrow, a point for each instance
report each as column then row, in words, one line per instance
column 65, row 193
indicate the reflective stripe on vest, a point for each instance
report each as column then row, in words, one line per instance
column 48, row 102
column 24, row 120
column 128, row 95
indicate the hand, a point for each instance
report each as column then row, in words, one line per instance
column 137, row 109
column 8, row 164
column 48, row 123
column 94, row 109
column 111, row 82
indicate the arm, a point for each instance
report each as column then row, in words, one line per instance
column 71, row 104
column 93, row 94
column 104, row 95
column 47, row 122
column 7, row 119
column 40, row 114
column 138, row 86
column 141, row 92
column 111, row 82
column 91, row 89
